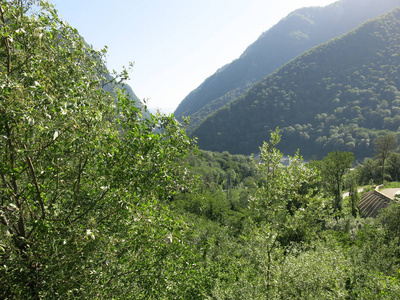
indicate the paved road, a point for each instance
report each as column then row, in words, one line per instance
column 387, row 192
column 390, row 192
column 346, row 194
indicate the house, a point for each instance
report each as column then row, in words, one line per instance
column 372, row 202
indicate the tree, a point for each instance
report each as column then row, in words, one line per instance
column 369, row 172
column 384, row 146
column 285, row 213
column 351, row 183
column 288, row 201
column 393, row 167
column 83, row 176
column 390, row 218
column 333, row 168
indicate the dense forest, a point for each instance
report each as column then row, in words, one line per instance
column 338, row 96
column 298, row 32
column 100, row 200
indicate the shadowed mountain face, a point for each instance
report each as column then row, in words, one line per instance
column 115, row 88
column 337, row 96
column 298, row 32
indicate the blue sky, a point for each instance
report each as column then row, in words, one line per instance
column 175, row 44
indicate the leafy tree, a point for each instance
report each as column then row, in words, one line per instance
column 393, row 166
column 369, row 172
column 83, row 176
column 384, row 146
column 333, row 168
column 351, row 181
column 390, row 217
column 288, row 201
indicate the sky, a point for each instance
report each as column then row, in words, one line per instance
column 174, row 44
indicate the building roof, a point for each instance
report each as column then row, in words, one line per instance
column 371, row 203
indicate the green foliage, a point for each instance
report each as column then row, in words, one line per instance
column 288, row 201
column 225, row 184
column 393, row 166
column 357, row 266
column 83, row 174
column 333, row 168
column 369, row 172
column 351, row 182
column 384, row 146
column 286, row 242
column 99, row 202
column 390, row 217
column 290, row 245
column 385, row 165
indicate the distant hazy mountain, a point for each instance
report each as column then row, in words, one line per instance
column 337, row 96
column 113, row 87
column 299, row 31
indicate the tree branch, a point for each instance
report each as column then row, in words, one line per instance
column 5, row 39
column 12, row 162
column 91, row 207
column 35, row 182
column 77, row 184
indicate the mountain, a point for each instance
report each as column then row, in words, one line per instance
column 115, row 87
column 337, row 96
column 111, row 84
column 299, row 31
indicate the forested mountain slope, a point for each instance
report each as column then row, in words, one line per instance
column 114, row 87
column 336, row 96
column 299, row 31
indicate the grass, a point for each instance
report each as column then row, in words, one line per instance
column 391, row 185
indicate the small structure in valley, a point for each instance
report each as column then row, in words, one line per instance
column 372, row 202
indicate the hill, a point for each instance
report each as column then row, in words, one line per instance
column 337, row 96
column 299, row 31
column 115, row 87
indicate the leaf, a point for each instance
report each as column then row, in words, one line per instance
column 55, row 136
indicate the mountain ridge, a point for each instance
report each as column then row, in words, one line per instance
column 336, row 96
column 298, row 32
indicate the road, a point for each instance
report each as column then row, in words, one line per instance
column 346, row 194
column 390, row 192
column 387, row 192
